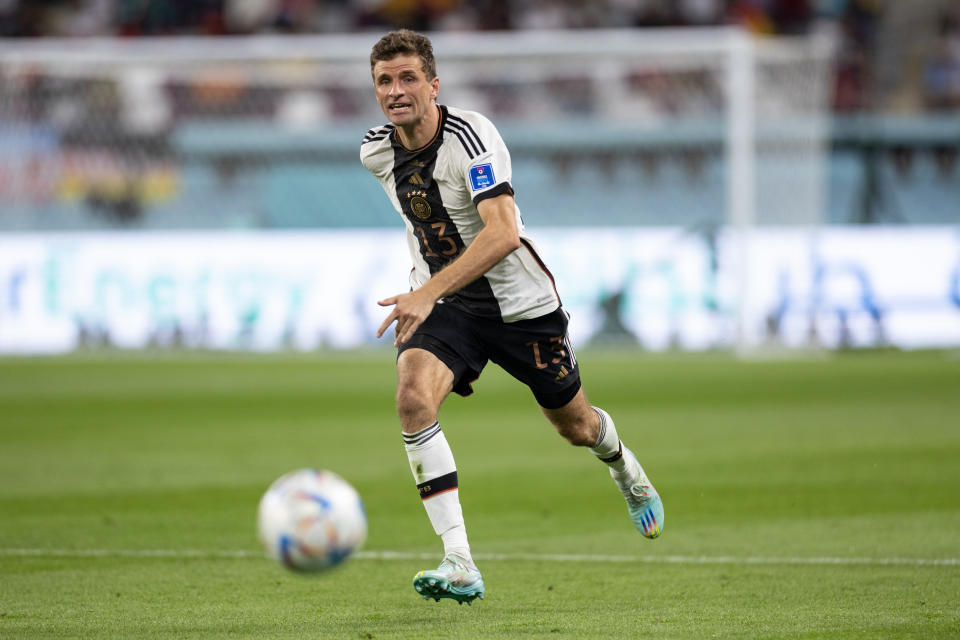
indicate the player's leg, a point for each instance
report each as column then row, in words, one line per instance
column 423, row 381
column 538, row 353
column 584, row 425
column 428, row 369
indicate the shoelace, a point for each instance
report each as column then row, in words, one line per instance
column 638, row 490
column 458, row 570
column 459, row 573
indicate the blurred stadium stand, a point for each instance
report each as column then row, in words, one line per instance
column 151, row 152
column 893, row 170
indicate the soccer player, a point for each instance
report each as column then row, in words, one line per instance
column 479, row 291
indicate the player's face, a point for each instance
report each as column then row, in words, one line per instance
column 404, row 93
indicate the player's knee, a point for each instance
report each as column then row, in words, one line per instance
column 414, row 408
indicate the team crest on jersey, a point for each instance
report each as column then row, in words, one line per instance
column 419, row 206
column 481, row 176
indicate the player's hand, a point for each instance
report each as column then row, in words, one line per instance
column 409, row 312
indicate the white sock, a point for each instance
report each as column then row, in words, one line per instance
column 435, row 473
column 608, row 447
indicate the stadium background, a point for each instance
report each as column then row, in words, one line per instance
column 178, row 328
column 626, row 140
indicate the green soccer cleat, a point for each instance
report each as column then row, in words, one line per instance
column 454, row 578
column 643, row 501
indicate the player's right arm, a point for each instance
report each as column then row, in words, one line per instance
column 498, row 239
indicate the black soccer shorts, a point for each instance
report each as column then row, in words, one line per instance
column 536, row 352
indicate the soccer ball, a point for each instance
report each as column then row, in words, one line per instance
column 311, row 520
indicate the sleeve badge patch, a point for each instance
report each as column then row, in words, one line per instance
column 481, row 177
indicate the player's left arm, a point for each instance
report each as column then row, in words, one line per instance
column 498, row 239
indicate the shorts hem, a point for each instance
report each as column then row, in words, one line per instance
column 558, row 399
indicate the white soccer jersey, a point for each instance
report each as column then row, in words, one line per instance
column 436, row 190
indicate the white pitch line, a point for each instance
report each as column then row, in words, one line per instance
column 127, row 553
column 508, row 557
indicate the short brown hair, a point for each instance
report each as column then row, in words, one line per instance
column 404, row 42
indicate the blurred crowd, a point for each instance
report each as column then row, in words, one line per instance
column 31, row 18
column 894, row 55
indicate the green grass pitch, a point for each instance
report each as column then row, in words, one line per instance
column 814, row 498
